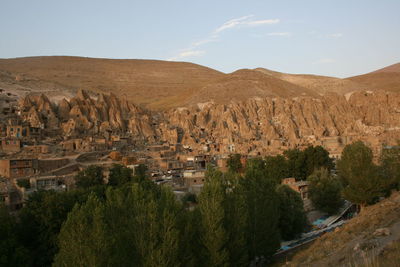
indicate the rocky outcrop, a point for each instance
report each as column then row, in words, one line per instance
column 255, row 126
column 86, row 115
column 282, row 122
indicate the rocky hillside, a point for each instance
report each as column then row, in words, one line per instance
column 387, row 79
column 85, row 115
column 150, row 82
column 319, row 84
column 162, row 85
column 370, row 239
column 264, row 122
column 255, row 126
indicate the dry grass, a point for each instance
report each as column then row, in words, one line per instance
column 338, row 248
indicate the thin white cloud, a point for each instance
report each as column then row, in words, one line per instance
column 324, row 61
column 244, row 21
column 213, row 37
column 186, row 54
column 232, row 23
column 261, row 22
column 335, row 35
column 283, row 34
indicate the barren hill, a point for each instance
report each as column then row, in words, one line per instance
column 387, row 79
column 162, row 84
column 150, row 82
column 391, row 68
column 244, row 84
column 318, row 84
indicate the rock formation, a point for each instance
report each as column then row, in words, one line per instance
column 256, row 126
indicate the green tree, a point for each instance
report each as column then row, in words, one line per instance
column 293, row 220
column 212, row 209
column 390, row 166
column 24, row 183
column 120, row 175
column 262, row 204
column 297, row 165
column 359, row 175
column 12, row 251
column 91, row 176
column 152, row 225
column 191, row 252
column 236, row 220
column 302, row 164
column 316, row 158
column 41, row 219
column 234, row 163
column 276, row 168
column 83, row 240
column 325, row 191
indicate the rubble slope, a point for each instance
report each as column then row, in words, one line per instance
column 370, row 239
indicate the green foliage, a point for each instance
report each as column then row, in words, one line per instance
column 83, row 238
column 132, row 226
column 140, row 173
column 214, row 236
column 360, row 176
column 293, row 220
column 296, row 163
column 302, row 164
column 91, row 176
column 262, row 204
column 277, row 168
column 25, row 183
column 234, row 164
column 12, row 252
column 236, row 220
column 390, row 166
column 189, row 198
column 120, row 175
column 325, row 191
column 41, row 220
column 191, row 252
column 317, row 157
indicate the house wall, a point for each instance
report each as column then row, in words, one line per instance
column 10, row 145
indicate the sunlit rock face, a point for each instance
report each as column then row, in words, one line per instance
column 257, row 125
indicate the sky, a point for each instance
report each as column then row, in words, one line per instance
column 338, row 38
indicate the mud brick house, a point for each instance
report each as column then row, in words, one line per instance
column 298, row 186
column 10, row 145
column 193, row 177
column 16, row 168
column 21, row 130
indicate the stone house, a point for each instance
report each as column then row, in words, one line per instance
column 16, row 168
column 298, row 186
column 193, row 177
column 10, row 145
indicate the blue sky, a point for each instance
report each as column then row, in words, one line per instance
column 336, row 38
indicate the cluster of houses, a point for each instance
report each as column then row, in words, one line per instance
column 46, row 160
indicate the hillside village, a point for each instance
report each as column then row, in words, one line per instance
column 48, row 143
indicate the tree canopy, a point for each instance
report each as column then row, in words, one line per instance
column 325, row 191
column 360, row 177
column 91, row 176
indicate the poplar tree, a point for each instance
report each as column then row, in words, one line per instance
column 83, row 240
column 214, row 236
column 262, row 201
